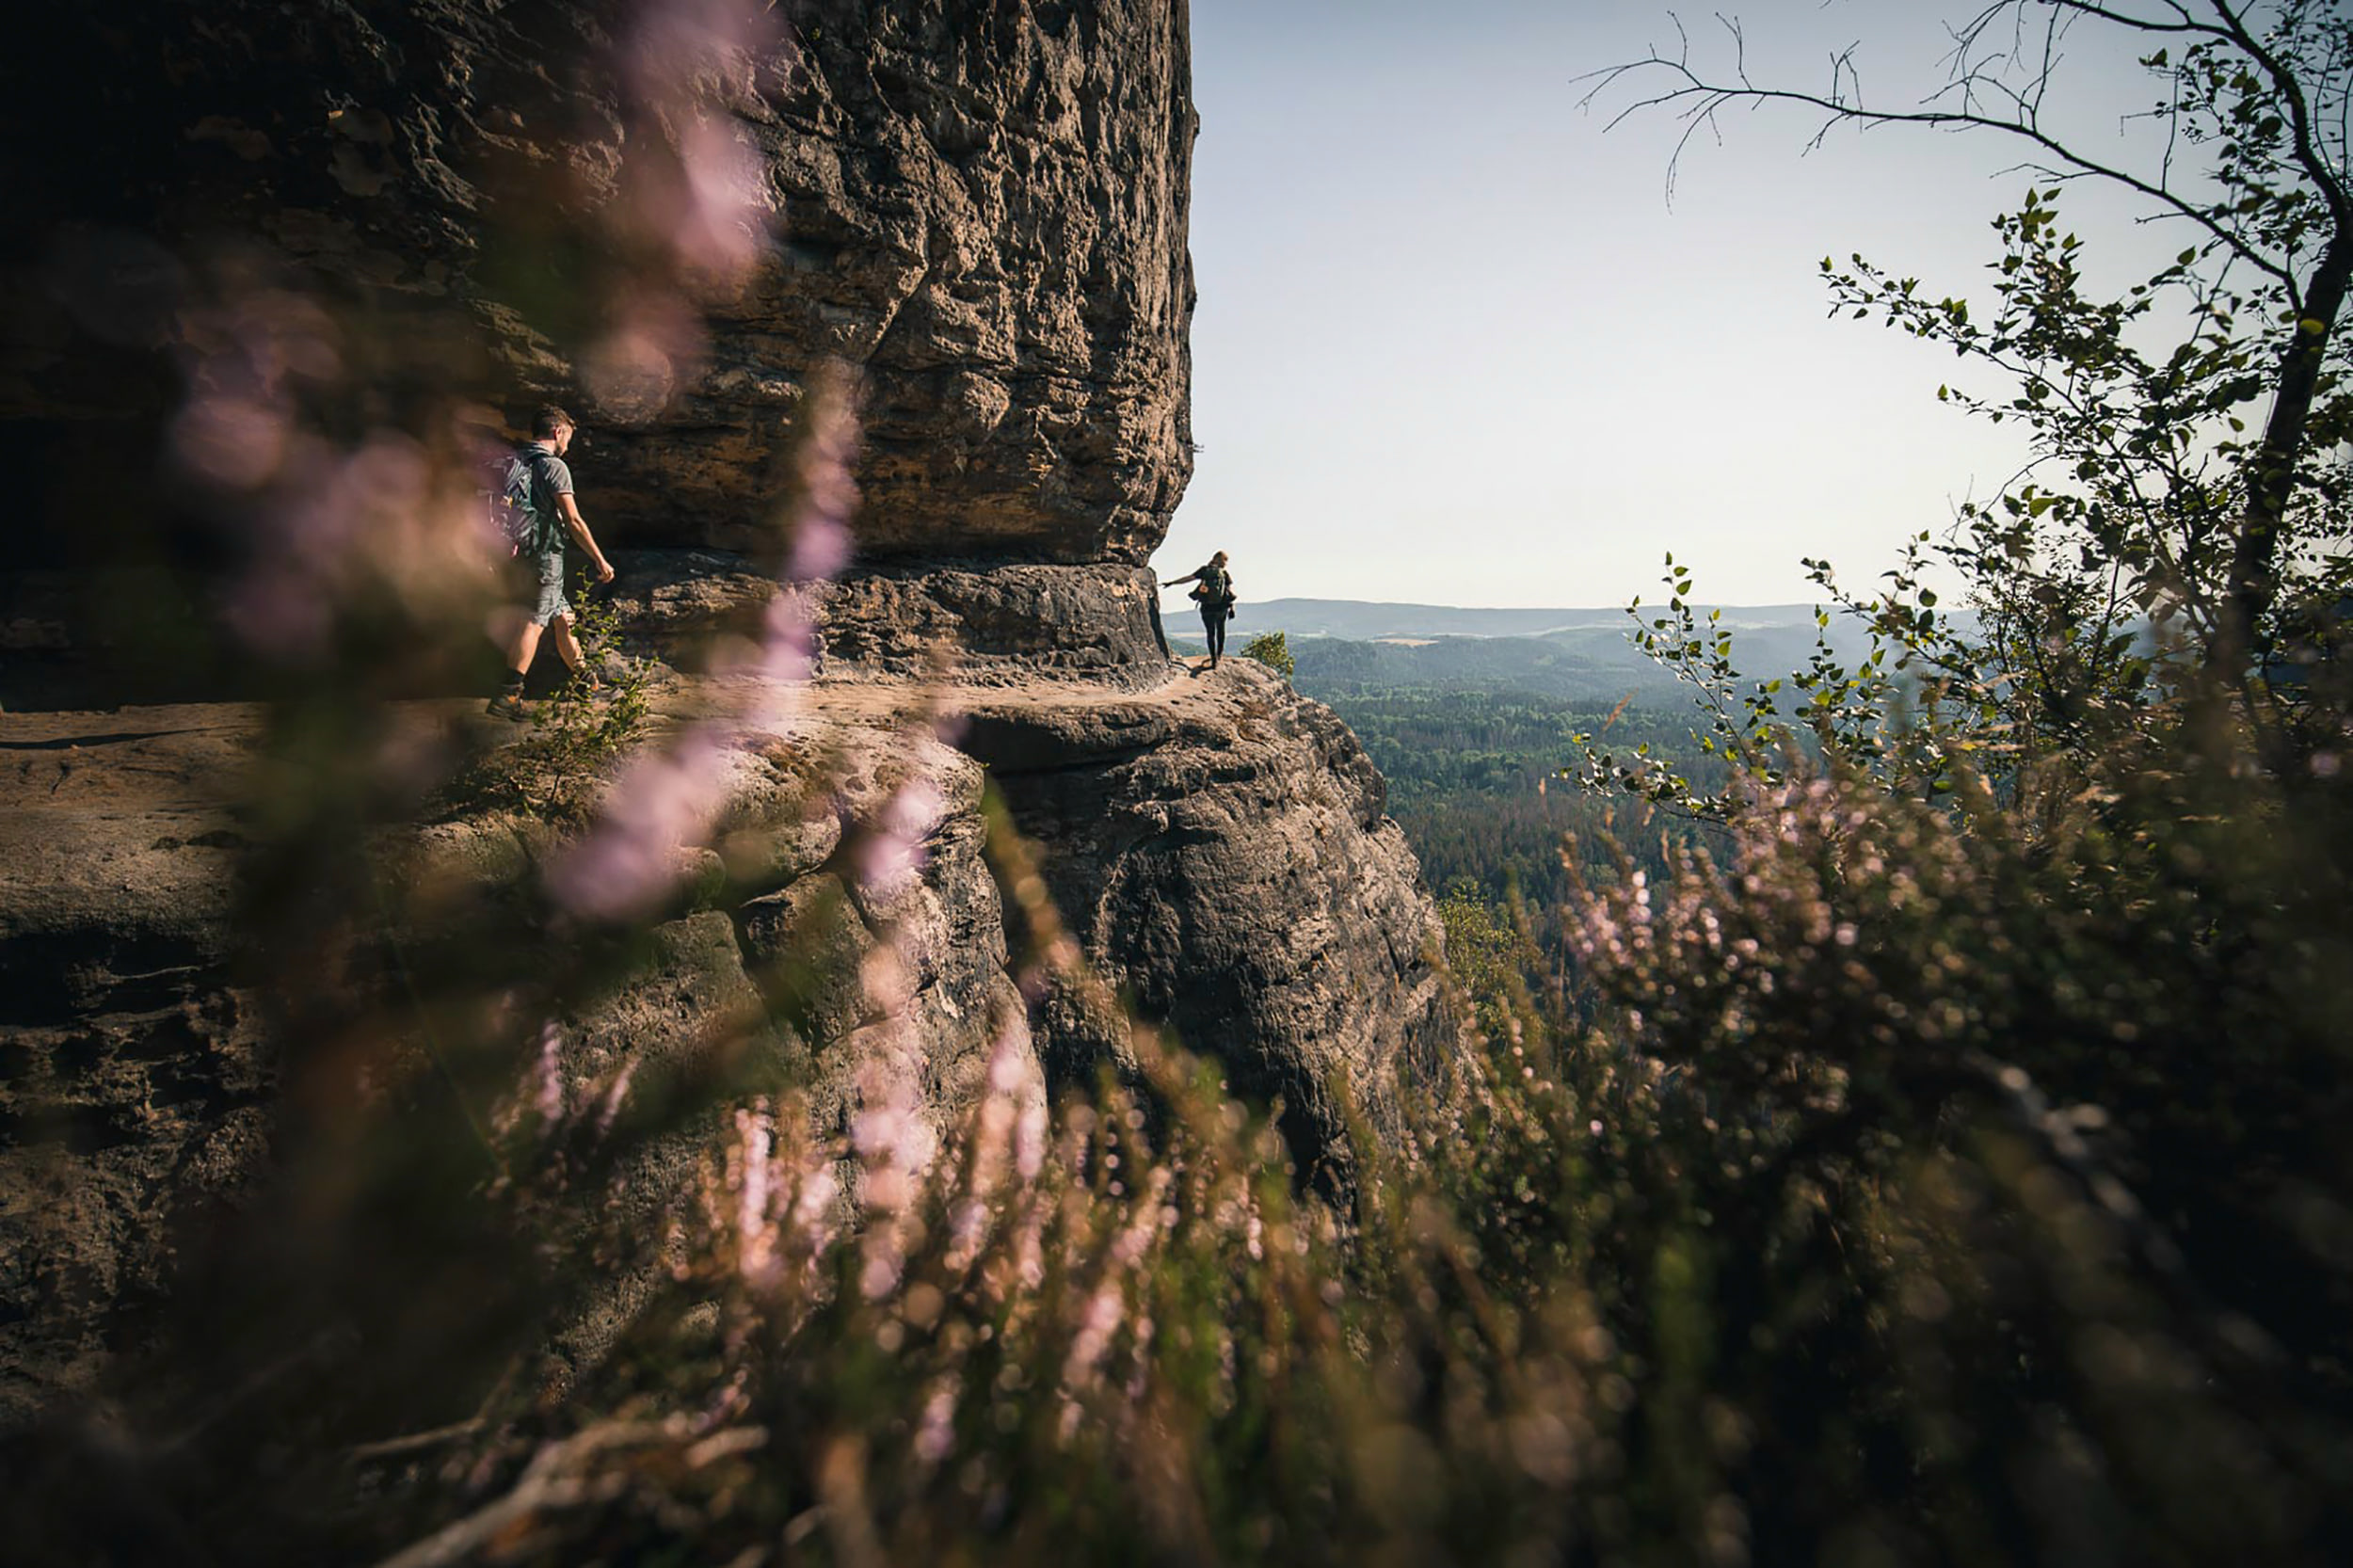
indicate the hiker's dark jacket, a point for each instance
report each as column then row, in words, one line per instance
column 1216, row 590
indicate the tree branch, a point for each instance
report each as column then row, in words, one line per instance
column 1713, row 96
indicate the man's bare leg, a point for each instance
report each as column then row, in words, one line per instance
column 566, row 644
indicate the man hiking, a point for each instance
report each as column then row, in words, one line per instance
column 553, row 516
column 1213, row 591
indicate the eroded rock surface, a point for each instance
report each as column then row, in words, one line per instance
column 982, row 209
column 137, row 1080
column 1223, row 851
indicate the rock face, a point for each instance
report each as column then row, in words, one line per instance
column 982, row 209
column 286, row 235
column 1224, row 855
column 137, row 1079
column 133, row 1077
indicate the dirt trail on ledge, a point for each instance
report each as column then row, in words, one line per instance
column 189, row 758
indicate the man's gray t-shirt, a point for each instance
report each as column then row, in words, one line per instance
column 551, row 477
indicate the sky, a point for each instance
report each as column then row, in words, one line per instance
column 1454, row 344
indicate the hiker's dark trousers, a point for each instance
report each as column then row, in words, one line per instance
column 1213, row 622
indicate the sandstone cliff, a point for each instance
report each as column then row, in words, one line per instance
column 668, row 215
column 983, row 208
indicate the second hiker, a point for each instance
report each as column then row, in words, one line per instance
column 539, row 491
column 1213, row 591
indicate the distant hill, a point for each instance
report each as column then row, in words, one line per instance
column 1362, row 622
column 1347, row 648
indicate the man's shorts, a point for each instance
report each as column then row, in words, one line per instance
column 551, row 603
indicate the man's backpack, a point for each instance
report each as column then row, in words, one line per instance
column 513, row 492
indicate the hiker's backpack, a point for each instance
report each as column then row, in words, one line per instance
column 1215, row 591
column 512, row 492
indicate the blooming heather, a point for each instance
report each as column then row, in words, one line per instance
column 667, row 802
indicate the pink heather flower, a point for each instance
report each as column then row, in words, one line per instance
column 636, row 368
column 233, row 442
column 884, row 1262
column 1029, row 1250
column 788, row 651
column 629, row 861
column 686, row 63
column 614, row 1097
column 276, row 613
column 548, row 1076
column 1008, row 1070
column 674, row 42
column 721, row 225
column 967, row 1223
column 890, row 859
column 1104, row 1311
column 878, row 1134
column 1011, row 1088
column 821, row 548
column 662, row 803
column 1029, row 1140
column 756, row 1139
column 827, row 459
column 330, row 521
column 811, row 1215
column 887, row 1189
column 936, row 1437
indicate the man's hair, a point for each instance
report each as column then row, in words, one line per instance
column 547, row 420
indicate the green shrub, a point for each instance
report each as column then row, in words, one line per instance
column 583, row 727
column 1273, row 650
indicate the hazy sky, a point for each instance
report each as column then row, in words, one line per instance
column 1454, row 346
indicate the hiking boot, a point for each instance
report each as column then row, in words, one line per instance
column 508, row 706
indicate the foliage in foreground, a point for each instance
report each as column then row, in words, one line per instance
column 1923, row 1192
column 575, row 734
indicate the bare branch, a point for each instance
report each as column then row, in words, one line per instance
column 1698, row 99
column 2330, row 182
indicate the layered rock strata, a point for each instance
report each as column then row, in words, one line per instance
column 666, row 213
column 1218, row 844
column 1223, row 854
column 138, row 1077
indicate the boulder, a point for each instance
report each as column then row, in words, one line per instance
column 1221, row 850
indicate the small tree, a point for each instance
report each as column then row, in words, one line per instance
column 2185, row 508
column 1273, row 650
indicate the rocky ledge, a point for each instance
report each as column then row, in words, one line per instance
column 1216, row 842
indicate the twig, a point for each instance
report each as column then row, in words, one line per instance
column 545, row 1485
column 389, row 1446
